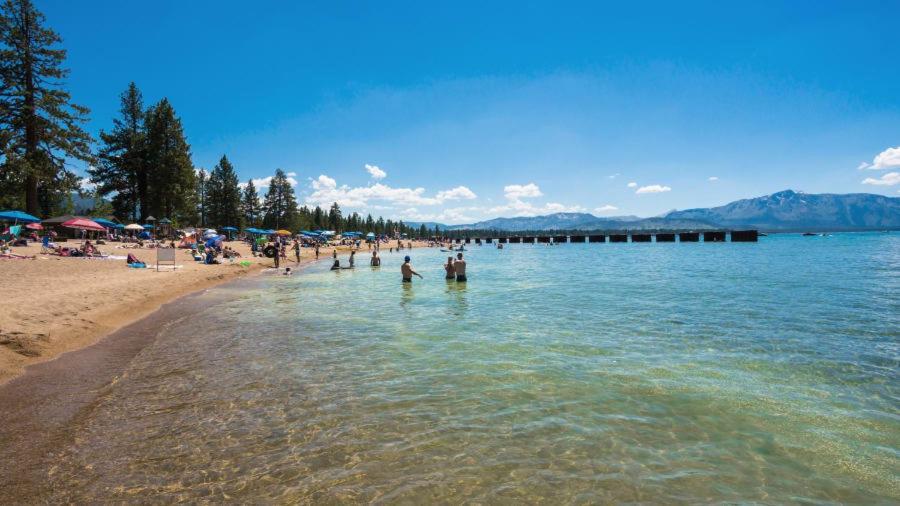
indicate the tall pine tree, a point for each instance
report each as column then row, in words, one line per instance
column 280, row 206
column 122, row 168
column 250, row 206
column 41, row 126
column 172, row 181
column 224, row 195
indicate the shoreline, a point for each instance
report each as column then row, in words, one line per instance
column 67, row 304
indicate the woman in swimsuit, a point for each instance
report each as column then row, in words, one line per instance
column 451, row 271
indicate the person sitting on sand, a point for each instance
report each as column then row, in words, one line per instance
column 460, row 267
column 88, row 249
column 376, row 261
column 407, row 271
column 451, row 272
column 133, row 261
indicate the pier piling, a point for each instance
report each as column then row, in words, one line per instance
column 713, row 236
column 665, row 237
column 597, row 238
column 744, row 236
column 641, row 238
column 689, row 237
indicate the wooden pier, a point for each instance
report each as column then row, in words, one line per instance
column 626, row 237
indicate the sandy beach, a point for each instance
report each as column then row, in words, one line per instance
column 55, row 305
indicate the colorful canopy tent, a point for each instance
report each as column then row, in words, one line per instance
column 84, row 224
column 106, row 223
column 16, row 216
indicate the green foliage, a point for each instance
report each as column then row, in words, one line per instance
column 41, row 127
column 280, row 206
column 122, row 169
column 250, row 206
column 224, row 196
column 172, row 181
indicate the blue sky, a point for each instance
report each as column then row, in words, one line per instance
column 472, row 110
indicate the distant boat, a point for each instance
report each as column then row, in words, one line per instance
column 808, row 234
column 762, row 234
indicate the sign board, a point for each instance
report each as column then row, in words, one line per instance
column 165, row 256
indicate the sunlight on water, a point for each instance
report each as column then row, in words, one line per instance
column 586, row 373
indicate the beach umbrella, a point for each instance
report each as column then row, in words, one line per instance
column 150, row 218
column 133, row 226
column 34, row 226
column 84, row 224
column 230, row 229
column 164, row 221
column 13, row 215
column 147, row 226
column 370, row 235
column 283, row 232
column 106, row 223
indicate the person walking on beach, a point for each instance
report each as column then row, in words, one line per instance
column 451, row 271
column 317, row 251
column 297, row 250
column 460, row 267
column 407, row 271
column 277, row 254
column 375, row 262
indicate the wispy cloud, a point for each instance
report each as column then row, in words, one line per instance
column 712, row 178
column 376, row 172
column 632, row 185
column 887, row 159
column 888, row 179
column 605, row 209
column 653, row 188
column 613, row 176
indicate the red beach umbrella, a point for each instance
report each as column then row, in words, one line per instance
column 34, row 226
column 84, row 224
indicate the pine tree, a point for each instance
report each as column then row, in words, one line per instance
column 224, row 195
column 280, row 206
column 203, row 197
column 172, row 181
column 41, row 127
column 122, row 168
column 334, row 218
column 319, row 220
column 250, row 207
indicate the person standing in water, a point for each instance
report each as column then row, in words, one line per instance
column 460, row 267
column 334, row 253
column 375, row 262
column 407, row 271
column 352, row 258
column 451, row 271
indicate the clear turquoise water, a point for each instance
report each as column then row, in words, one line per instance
column 580, row 373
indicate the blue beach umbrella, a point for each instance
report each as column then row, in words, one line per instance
column 148, row 227
column 14, row 215
column 105, row 223
column 230, row 229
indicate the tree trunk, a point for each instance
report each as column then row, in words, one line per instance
column 31, row 140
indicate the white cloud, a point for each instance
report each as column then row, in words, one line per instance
column 326, row 190
column 376, row 172
column 453, row 215
column 613, row 176
column 458, row 193
column 263, row 182
column 889, row 179
column 632, row 184
column 653, row 188
column 86, row 184
column 712, row 178
column 887, row 159
column 518, row 191
column 605, row 209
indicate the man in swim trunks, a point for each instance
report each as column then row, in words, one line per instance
column 460, row 267
column 407, row 271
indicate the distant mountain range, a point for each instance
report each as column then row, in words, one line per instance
column 783, row 211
